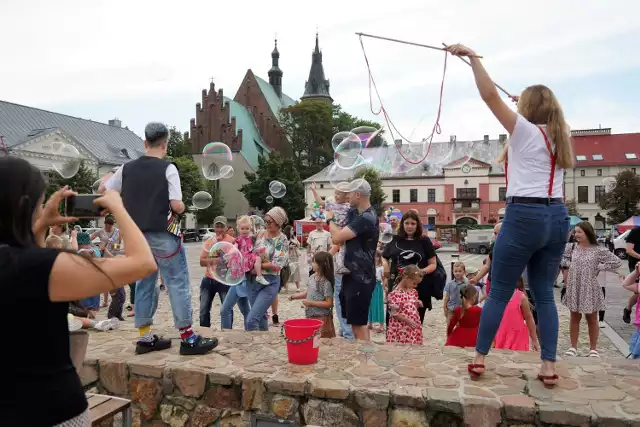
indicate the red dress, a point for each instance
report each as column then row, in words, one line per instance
column 404, row 302
column 463, row 331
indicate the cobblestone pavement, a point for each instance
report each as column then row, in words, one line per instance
column 434, row 325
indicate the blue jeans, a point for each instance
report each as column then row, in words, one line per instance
column 226, row 311
column 260, row 298
column 345, row 329
column 208, row 290
column 532, row 236
column 92, row 303
column 175, row 273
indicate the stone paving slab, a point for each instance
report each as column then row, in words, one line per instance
column 357, row 384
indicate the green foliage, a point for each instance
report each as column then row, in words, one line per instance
column 572, row 207
column 275, row 168
column 343, row 121
column 621, row 201
column 372, row 176
column 179, row 144
column 191, row 180
column 81, row 183
column 206, row 216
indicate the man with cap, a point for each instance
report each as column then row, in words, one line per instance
column 360, row 237
column 209, row 287
column 152, row 195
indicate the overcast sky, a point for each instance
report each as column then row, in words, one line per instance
column 149, row 60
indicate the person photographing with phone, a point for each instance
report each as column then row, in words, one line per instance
column 48, row 278
column 152, row 195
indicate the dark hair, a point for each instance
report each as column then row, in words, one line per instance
column 156, row 134
column 23, row 186
column 588, row 231
column 414, row 216
column 467, row 292
column 109, row 220
column 287, row 231
column 325, row 262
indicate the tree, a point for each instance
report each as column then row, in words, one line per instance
column 622, row 198
column 275, row 168
column 343, row 121
column 191, row 180
column 378, row 196
column 179, row 144
column 572, row 206
column 81, row 183
column 206, row 216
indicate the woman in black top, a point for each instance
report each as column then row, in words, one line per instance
column 37, row 356
column 408, row 247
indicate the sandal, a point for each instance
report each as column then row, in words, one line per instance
column 594, row 354
column 572, row 352
column 473, row 374
column 549, row 381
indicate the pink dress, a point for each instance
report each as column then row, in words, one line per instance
column 246, row 245
column 513, row 333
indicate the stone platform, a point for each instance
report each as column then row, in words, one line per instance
column 355, row 384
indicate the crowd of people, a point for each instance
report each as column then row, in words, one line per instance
column 145, row 199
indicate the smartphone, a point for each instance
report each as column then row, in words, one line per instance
column 82, row 206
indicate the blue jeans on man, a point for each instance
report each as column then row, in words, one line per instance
column 345, row 329
column 236, row 295
column 171, row 258
column 540, row 252
column 260, row 298
column 208, row 290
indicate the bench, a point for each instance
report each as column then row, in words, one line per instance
column 103, row 407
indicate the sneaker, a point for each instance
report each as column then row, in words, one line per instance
column 601, row 324
column 157, row 344
column 275, row 319
column 107, row 325
column 626, row 315
column 199, row 346
column 262, row 280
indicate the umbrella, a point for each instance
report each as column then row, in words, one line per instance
column 573, row 220
column 632, row 222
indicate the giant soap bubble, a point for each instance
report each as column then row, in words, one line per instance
column 216, row 161
column 67, row 159
column 225, row 264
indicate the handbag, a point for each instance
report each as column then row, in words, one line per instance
column 437, row 279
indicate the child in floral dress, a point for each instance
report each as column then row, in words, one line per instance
column 404, row 325
column 246, row 242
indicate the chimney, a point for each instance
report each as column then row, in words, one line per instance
column 486, row 138
column 115, row 123
column 452, row 138
column 502, row 137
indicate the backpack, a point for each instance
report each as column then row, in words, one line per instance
column 437, row 279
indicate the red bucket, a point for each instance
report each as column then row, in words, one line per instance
column 301, row 337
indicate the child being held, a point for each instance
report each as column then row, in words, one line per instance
column 465, row 322
column 451, row 295
column 340, row 208
column 318, row 298
column 404, row 325
column 517, row 324
column 246, row 242
column 630, row 283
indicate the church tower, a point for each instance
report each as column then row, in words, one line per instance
column 275, row 73
column 317, row 87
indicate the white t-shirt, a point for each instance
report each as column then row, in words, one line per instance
column 319, row 241
column 530, row 163
column 173, row 178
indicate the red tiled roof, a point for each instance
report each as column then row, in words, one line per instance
column 467, row 159
column 612, row 148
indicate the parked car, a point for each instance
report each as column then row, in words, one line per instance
column 190, row 235
column 204, row 231
column 620, row 245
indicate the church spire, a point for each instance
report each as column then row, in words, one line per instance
column 317, row 87
column 275, row 73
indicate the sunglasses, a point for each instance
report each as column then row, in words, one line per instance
column 269, row 221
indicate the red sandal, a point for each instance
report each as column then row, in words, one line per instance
column 471, row 367
column 549, row 381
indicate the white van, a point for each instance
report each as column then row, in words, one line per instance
column 620, row 245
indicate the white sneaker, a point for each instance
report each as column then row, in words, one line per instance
column 262, row 280
column 601, row 324
column 107, row 325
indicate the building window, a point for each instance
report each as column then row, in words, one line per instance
column 413, row 195
column 599, row 172
column 599, row 190
column 581, row 157
column 259, row 149
column 431, row 195
column 596, row 156
column 395, row 195
column 502, row 194
column 321, row 186
column 467, row 193
column 583, row 194
column 581, row 172
column 630, row 156
column 431, row 220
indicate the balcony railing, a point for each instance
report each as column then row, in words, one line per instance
column 466, row 204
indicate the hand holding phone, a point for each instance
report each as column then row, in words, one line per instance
column 93, row 205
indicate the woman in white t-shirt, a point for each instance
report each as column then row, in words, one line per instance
column 536, row 222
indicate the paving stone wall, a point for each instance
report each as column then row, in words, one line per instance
column 352, row 386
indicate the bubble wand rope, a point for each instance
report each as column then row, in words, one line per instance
column 436, row 127
column 405, row 42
